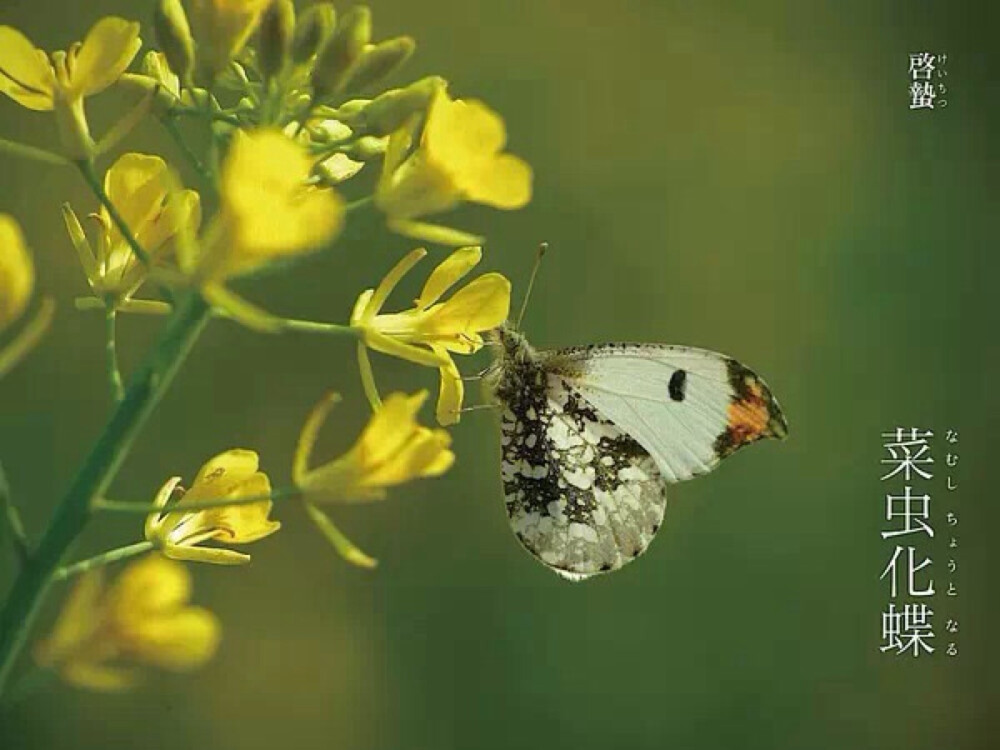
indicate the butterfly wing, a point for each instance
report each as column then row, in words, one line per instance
column 689, row 408
column 582, row 495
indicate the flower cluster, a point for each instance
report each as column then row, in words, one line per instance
column 287, row 125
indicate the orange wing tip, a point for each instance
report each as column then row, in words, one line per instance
column 753, row 412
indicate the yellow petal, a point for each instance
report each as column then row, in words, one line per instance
column 25, row 73
column 79, row 618
column 221, row 27
column 107, row 51
column 150, row 585
column 153, row 529
column 222, row 471
column 178, row 641
column 17, row 272
column 81, row 245
column 266, row 200
column 390, row 428
column 419, row 187
column 361, row 305
column 338, row 540
column 481, row 305
column 400, row 142
column 461, row 132
column 95, row 675
column 434, row 233
column 451, row 391
column 308, row 436
column 396, row 348
column 137, row 185
column 245, row 523
column 396, row 273
column 179, row 210
column 211, row 555
column 426, row 454
column 140, row 187
column 448, row 273
column 503, row 182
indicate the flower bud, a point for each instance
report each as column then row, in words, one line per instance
column 338, row 168
column 378, row 62
column 367, row 147
column 387, row 112
column 313, row 28
column 221, row 28
column 17, row 273
column 277, row 26
column 341, row 51
column 174, row 37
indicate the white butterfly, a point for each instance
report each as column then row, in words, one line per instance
column 592, row 436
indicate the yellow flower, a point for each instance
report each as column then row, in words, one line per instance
column 221, row 28
column 267, row 211
column 229, row 475
column 458, row 159
column 103, row 632
column 33, row 80
column 17, row 280
column 143, row 190
column 393, row 448
column 432, row 330
column 17, row 272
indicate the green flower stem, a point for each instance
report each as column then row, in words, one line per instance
column 132, row 306
column 181, row 111
column 146, row 509
column 111, row 354
column 303, row 118
column 312, row 326
column 359, row 203
column 31, row 152
column 120, row 130
column 29, row 336
column 192, row 158
column 145, row 389
column 99, row 561
column 87, row 170
column 11, row 516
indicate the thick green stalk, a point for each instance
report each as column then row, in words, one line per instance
column 145, row 389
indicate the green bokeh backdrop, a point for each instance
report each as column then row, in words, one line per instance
column 743, row 178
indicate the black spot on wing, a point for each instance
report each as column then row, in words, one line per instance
column 677, row 386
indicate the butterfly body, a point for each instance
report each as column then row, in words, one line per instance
column 592, row 436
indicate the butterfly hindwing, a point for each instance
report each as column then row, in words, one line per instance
column 688, row 407
column 582, row 495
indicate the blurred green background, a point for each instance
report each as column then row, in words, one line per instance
column 743, row 178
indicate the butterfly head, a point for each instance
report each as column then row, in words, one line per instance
column 512, row 356
column 510, row 344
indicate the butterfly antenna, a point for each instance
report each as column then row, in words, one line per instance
column 531, row 282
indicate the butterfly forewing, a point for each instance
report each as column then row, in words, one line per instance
column 689, row 407
column 582, row 495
